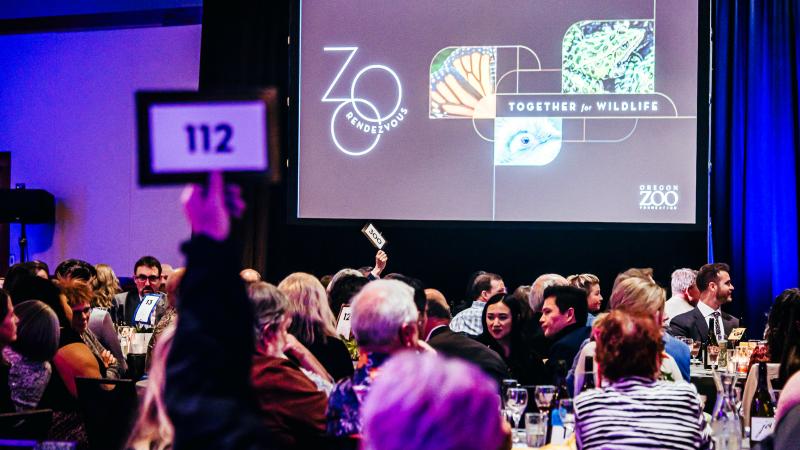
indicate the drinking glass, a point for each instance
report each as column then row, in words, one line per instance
column 776, row 395
column 742, row 361
column 124, row 345
column 730, row 367
column 695, row 349
column 713, row 356
column 506, row 384
column 544, row 397
column 516, row 401
column 566, row 411
column 536, row 430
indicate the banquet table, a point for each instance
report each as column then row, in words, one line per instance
column 703, row 380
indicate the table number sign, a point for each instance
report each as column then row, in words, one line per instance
column 736, row 334
column 343, row 324
column 144, row 312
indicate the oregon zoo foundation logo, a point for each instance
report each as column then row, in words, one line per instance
column 372, row 109
column 659, row 196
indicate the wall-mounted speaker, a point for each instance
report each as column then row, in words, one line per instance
column 27, row 206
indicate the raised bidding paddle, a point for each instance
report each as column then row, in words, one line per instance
column 374, row 236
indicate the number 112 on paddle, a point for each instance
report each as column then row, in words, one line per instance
column 201, row 136
column 184, row 135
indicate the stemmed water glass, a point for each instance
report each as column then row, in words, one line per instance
column 508, row 383
column 516, row 401
column 566, row 411
column 693, row 349
column 544, row 397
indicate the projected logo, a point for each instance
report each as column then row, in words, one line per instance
column 372, row 109
column 605, row 85
column 659, row 196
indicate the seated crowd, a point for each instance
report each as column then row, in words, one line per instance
column 411, row 374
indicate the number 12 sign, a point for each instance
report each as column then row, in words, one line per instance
column 188, row 134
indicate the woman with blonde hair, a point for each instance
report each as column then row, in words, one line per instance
column 101, row 320
column 313, row 323
column 641, row 296
column 105, row 286
column 591, row 284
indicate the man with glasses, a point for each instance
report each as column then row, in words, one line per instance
column 147, row 276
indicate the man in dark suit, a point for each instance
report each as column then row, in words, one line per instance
column 147, row 276
column 563, row 321
column 438, row 334
column 716, row 289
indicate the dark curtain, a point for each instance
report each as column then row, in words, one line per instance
column 755, row 150
column 244, row 47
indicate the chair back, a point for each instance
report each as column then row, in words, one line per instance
column 751, row 385
column 32, row 424
column 342, row 442
column 109, row 408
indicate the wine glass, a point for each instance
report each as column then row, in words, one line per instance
column 516, row 401
column 686, row 340
column 695, row 350
column 544, row 397
column 713, row 355
column 507, row 383
column 566, row 411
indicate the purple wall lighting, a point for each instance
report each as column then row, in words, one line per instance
column 67, row 117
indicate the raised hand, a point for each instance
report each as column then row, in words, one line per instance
column 209, row 211
column 380, row 263
column 304, row 356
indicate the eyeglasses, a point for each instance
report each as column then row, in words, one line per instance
column 85, row 310
column 152, row 278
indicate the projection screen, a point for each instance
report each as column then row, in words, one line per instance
column 520, row 110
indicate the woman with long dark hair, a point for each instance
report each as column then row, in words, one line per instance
column 38, row 335
column 8, row 334
column 502, row 332
column 783, row 332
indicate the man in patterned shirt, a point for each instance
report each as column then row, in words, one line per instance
column 484, row 287
column 384, row 321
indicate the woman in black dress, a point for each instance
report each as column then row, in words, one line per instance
column 502, row 332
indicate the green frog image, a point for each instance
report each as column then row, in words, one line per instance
column 605, row 56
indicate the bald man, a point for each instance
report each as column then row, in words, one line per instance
column 250, row 276
column 438, row 334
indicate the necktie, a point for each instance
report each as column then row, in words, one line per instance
column 716, row 325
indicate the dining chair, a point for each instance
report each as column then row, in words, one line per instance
column 109, row 408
